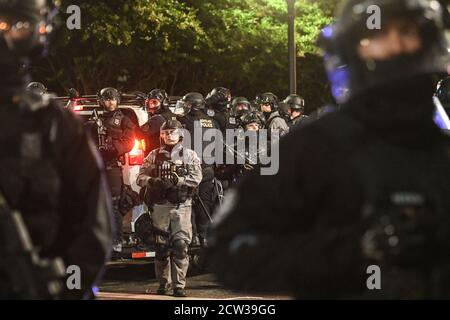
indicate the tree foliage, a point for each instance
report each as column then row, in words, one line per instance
column 188, row 45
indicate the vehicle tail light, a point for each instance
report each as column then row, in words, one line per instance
column 136, row 155
column 76, row 106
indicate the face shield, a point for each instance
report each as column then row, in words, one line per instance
column 181, row 108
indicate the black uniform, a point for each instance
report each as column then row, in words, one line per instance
column 50, row 174
column 119, row 141
column 206, row 187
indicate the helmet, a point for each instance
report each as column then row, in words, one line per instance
column 443, row 93
column 237, row 110
column 218, row 98
column 344, row 42
column 37, row 87
column 73, row 93
column 171, row 132
column 268, row 98
column 189, row 101
column 108, row 94
column 295, row 102
column 157, row 95
column 26, row 26
column 252, row 117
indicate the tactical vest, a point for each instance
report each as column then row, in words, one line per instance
column 163, row 168
column 113, row 125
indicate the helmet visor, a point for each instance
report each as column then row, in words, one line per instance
column 180, row 109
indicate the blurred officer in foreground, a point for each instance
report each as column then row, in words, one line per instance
column 49, row 172
column 365, row 185
column 114, row 134
column 171, row 174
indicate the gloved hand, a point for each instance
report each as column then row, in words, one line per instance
column 159, row 184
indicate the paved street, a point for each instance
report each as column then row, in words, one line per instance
column 128, row 281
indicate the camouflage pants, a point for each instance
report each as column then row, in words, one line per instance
column 172, row 269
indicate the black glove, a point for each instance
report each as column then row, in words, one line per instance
column 159, row 184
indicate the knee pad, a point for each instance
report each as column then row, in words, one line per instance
column 180, row 249
column 162, row 252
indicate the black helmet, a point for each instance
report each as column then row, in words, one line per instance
column 33, row 18
column 192, row 100
column 171, row 125
column 295, row 102
column 252, row 117
column 160, row 95
column 108, row 94
column 37, row 88
column 73, row 93
column 237, row 102
column 218, row 98
column 351, row 75
column 268, row 98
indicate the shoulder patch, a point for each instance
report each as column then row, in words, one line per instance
column 232, row 120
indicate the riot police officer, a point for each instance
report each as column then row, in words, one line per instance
column 114, row 134
column 366, row 185
column 268, row 105
column 218, row 105
column 296, row 108
column 239, row 107
column 171, row 174
column 157, row 104
column 195, row 120
column 48, row 171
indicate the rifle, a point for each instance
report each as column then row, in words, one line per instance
column 101, row 131
column 31, row 277
column 197, row 199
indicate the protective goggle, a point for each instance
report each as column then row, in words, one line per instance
column 174, row 134
column 242, row 106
